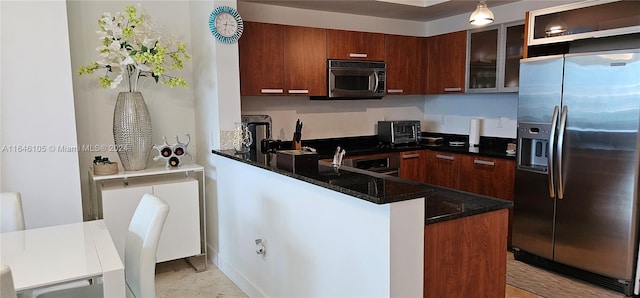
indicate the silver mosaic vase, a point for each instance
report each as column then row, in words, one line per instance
column 132, row 131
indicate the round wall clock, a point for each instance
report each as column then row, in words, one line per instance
column 226, row 24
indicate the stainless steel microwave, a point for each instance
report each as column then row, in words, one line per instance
column 350, row 79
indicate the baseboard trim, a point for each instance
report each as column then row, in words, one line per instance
column 233, row 274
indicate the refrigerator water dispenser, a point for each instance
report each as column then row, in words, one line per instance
column 533, row 143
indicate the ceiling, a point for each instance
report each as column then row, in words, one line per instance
column 413, row 10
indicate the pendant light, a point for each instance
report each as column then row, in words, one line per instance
column 482, row 15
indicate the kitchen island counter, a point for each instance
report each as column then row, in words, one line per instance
column 348, row 232
column 442, row 204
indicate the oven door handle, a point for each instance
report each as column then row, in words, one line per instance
column 390, row 173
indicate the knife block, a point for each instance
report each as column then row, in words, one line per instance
column 297, row 161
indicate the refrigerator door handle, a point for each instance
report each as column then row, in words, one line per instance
column 550, row 152
column 563, row 125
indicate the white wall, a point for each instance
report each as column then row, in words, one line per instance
column 335, row 118
column 319, row 243
column 37, row 113
column 217, row 107
column 451, row 113
column 171, row 109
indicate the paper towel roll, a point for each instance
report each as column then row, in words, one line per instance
column 474, row 132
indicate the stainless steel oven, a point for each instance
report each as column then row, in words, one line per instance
column 385, row 163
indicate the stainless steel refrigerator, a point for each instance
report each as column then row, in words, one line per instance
column 576, row 194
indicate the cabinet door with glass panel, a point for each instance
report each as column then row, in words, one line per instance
column 494, row 55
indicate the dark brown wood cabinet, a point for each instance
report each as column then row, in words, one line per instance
column 443, row 169
column 403, row 64
column 487, row 176
column 492, row 177
column 342, row 44
column 423, row 54
column 466, row 257
column 282, row 60
column 446, row 63
column 261, row 52
column 412, row 165
column 305, row 62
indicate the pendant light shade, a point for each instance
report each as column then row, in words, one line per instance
column 482, row 15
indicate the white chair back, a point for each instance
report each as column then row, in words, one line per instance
column 11, row 214
column 7, row 288
column 142, row 243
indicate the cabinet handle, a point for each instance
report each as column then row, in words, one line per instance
column 452, row 89
column 484, row 162
column 299, row 91
column 447, row 157
column 271, row 91
column 410, row 156
column 357, row 55
column 395, row 91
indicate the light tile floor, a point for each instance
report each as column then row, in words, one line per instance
column 179, row 279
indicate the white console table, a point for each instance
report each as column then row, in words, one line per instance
column 115, row 197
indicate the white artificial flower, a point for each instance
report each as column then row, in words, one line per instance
column 128, row 60
column 143, row 67
column 116, row 81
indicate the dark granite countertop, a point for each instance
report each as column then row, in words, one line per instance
column 363, row 145
column 441, row 204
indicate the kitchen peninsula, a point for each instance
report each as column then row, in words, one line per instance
column 349, row 232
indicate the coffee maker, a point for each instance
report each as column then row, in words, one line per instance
column 260, row 128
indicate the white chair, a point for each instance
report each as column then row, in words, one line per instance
column 7, row 288
column 140, row 252
column 11, row 214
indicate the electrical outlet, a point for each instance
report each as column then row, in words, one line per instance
column 443, row 120
column 502, row 121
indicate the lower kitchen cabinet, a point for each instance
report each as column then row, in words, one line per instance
column 117, row 197
column 442, row 169
column 412, row 165
column 466, row 257
column 492, row 177
column 487, row 176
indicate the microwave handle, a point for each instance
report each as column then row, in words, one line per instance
column 376, row 80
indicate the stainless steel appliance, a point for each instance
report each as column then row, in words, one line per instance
column 399, row 132
column 260, row 128
column 385, row 163
column 349, row 79
column 576, row 193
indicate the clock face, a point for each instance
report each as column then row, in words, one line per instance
column 226, row 24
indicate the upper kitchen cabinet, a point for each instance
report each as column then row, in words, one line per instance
column 261, row 51
column 355, row 45
column 403, row 62
column 282, row 60
column 305, row 62
column 581, row 20
column 446, row 63
column 494, row 55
